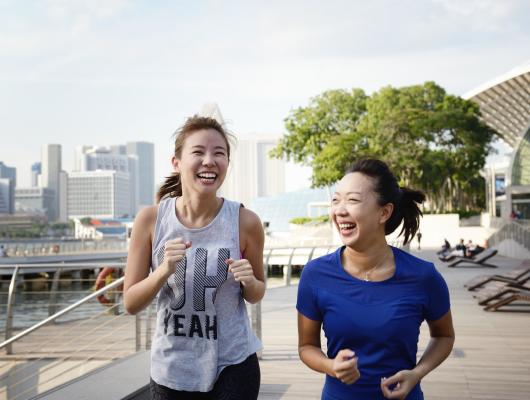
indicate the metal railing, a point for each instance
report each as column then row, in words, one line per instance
column 68, row 343
column 102, row 334
column 512, row 230
column 51, row 247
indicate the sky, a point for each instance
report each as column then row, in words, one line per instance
column 106, row 72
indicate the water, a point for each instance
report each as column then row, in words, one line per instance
column 31, row 306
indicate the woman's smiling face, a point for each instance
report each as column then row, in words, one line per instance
column 203, row 162
column 355, row 210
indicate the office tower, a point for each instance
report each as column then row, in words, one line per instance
column 112, row 158
column 252, row 172
column 8, row 182
column 34, row 200
column 35, row 172
column 50, row 175
column 98, row 194
column 145, row 152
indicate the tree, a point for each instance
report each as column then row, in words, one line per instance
column 431, row 140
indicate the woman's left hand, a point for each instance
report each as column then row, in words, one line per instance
column 399, row 385
column 242, row 271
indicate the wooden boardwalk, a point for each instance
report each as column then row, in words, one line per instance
column 491, row 359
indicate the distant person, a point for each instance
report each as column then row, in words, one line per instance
column 371, row 296
column 418, row 236
column 445, row 250
column 460, row 249
column 513, row 215
column 2, row 251
column 473, row 249
column 205, row 254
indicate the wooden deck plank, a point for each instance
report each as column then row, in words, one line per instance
column 491, row 359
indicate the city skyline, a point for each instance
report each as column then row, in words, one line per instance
column 120, row 71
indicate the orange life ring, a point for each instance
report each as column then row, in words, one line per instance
column 103, row 279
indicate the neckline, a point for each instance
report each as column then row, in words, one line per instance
column 362, row 281
column 213, row 221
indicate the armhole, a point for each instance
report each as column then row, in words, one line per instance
column 156, row 231
column 241, row 252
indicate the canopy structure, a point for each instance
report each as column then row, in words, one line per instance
column 505, row 106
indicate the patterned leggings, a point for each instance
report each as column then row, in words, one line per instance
column 236, row 382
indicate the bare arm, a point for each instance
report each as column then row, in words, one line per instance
column 249, row 271
column 440, row 345
column 342, row 367
column 140, row 287
column 438, row 349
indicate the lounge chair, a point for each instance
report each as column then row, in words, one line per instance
column 508, row 298
column 486, row 297
column 476, row 261
column 519, row 275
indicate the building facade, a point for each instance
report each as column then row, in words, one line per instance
column 145, row 160
column 34, row 200
column 50, row 175
column 8, row 183
column 505, row 106
column 98, row 194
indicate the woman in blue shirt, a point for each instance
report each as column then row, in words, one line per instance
column 371, row 298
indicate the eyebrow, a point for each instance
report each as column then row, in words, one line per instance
column 198, row 146
column 347, row 193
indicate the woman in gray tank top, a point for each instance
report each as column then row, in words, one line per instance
column 205, row 255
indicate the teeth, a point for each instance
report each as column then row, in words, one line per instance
column 346, row 226
column 207, row 175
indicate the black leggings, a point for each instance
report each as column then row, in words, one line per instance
column 236, row 382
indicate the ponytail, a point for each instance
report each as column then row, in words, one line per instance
column 410, row 212
column 405, row 200
column 171, row 187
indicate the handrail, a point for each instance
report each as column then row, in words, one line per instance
column 97, row 293
column 63, row 265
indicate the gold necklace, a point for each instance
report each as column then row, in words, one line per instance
column 367, row 273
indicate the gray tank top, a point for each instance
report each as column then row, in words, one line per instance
column 202, row 324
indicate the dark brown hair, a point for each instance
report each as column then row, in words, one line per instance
column 386, row 187
column 172, row 186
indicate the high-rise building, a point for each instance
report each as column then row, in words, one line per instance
column 145, row 152
column 113, row 158
column 35, row 172
column 8, row 182
column 98, row 194
column 34, row 200
column 50, row 175
column 252, row 172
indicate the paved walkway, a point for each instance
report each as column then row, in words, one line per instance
column 491, row 359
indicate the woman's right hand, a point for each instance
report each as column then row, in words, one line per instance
column 344, row 367
column 175, row 250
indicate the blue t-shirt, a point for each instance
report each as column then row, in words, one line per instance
column 379, row 321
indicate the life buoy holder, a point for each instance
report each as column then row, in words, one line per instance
column 103, row 279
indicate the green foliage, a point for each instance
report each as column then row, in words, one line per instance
column 34, row 231
column 86, row 221
column 306, row 220
column 431, row 140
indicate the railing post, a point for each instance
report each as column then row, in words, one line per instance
column 148, row 327
column 115, row 295
column 138, row 330
column 310, row 257
column 288, row 269
column 52, row 307
column 10, row 307
column 255, row 315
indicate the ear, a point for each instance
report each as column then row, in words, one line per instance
column 176, row 164
column 386, row 212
